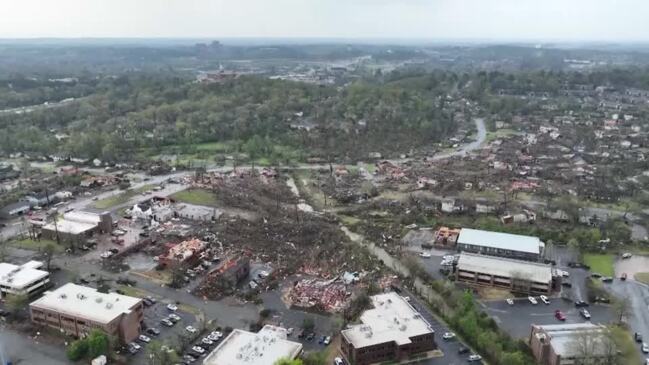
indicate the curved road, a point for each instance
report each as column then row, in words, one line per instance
column 461, row 151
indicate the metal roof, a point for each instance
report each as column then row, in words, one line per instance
column 491, row 265
column 503, row 241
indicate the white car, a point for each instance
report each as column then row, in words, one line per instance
column 135, row 346
column 289, row 331
column 425, row 255
column 191, row 329
column 510, row 301
column 474, row 358
column 172, row 307
column 327, row 340
column 198, row 349
column 174, row 318
column 565, row 274
column 626, row 255
column 544, row 299
column 645, row 348
column 106, row 255
column 207, row 341
column 532, row 300
column 448, row 335
column 216, row 334
column 339, row 361
column 144, row 338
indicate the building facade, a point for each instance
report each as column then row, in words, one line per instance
column 25, row 279
column 514, row 275
column 392, row 331
column 77, row 310
column 567, row 344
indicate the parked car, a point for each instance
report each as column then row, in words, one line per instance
column 167, row 322
column 425, row 255
column 207, row 341
column 626, row 255
column 327, row 340
column 596, row 275
column 607, row 279
column 585, row 313
column 172, row 307
column 174, row 317
column 567, row 284
column 581, row 303
column 474, row 357
column 645, row 348
column 339, row 361
column 189, row 359
column 463, row 350
column 559, row 315
column 215, row 335
column 147, row 302
column 289, row 331
column 510, row 301
column 198, row 350
column 544, row 299
column 144, row 338
column 191, row 329
column 135, row 345
column 532, row 300
column 602, row 300
column 321, row 340
column 448, row 336
column 153, row 331
column 623, row 277
column 310, row 336
column 637, row 337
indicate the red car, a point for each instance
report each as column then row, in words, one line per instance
column 559, row 315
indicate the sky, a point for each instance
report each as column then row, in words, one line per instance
column 549, row 20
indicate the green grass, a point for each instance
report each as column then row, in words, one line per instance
column 626, row 346
column 121, row 198
column 642, row 277
column 29, row 244
column 214, row 146
column 500, row 133
column 600, row 263
column 196, row 196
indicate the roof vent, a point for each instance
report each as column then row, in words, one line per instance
column 98, row 299
column 109, row 306
column 81, row 296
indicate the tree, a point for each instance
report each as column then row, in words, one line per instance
column 159, row 354
column 54, row 217
column 16, row 302
column 77, row 350
column 622, row 309
column 48, row 253
column 315, row 358
column 308, row 324
column 285, row 361
column 98, row 343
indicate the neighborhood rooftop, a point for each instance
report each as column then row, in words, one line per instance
column 563, row 337
column 498, row 266
column 248, row 348
column 85, row 302
column 15, row 276
column 391, row 319
column 503, row 241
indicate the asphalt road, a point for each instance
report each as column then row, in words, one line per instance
column 449, row 348
column 23, row 350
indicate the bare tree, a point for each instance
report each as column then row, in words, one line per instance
column 596, row 346
column 622, row 308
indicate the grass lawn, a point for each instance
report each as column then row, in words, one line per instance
column 626, row 345
column 134, row 292
column 29, row 244
column 600, row 263
column 642, row 277
column 121, row 198
column 196, row 196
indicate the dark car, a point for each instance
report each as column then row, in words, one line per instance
column 596, row 275
column 567, row 284
column 637, row 337
column 463, row 350
column 144, row 234
column 310, row 336
column 322, row 339
column 301, row 334
column 147, row 302
column 153, row 331
column 607, row 279
column 113, row 250
column 581, row 303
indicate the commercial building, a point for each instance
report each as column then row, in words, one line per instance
column 76, row 310
column 500, row 244
column 15, row 210
column 182, row 253
column 76, row 226
column 23, row 279
column 247, row 348
column 515, row 275
column 564, row 344
column 392, row 331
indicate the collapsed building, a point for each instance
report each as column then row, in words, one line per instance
column 328, row 296
column 182, row 253
column 224, row 279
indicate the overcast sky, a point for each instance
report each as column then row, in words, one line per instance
column 571, row 20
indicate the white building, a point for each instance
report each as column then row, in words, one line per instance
column 500, row 244
column 247, row 348
column 24, row 279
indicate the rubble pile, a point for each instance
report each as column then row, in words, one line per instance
column 329, row 296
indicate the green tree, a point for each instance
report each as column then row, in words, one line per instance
column 98, row 343
column 316, row 358
column 159, row 354
column 77, row 350
column 285, row 361
column 513, row 358
column 16, row 303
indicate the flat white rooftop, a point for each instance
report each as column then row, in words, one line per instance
column 391, row 319
column 563, row 337
column 84, row 302
column 503, row 241
column 75, row 222
column 247, row 348
column 21, row 277
column 499, row 266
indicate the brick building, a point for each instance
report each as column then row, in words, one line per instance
column 563, row 344
column 392, row 331
column 77, row 309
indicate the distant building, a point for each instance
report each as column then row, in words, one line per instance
column 24, row 279
column 182, row 253
column 515, row 275
column 392, row 331
column 563, row 344
column 76, row 226
column 76, row 310
column 500, row 244
column 247, row 348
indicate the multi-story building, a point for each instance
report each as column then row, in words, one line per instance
column 500, row 244
column 392, row 331
column 567, row 344
column 262, row 348
column 514, row 275
column 76, row 310
column 24, row 279
column 182, row 253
